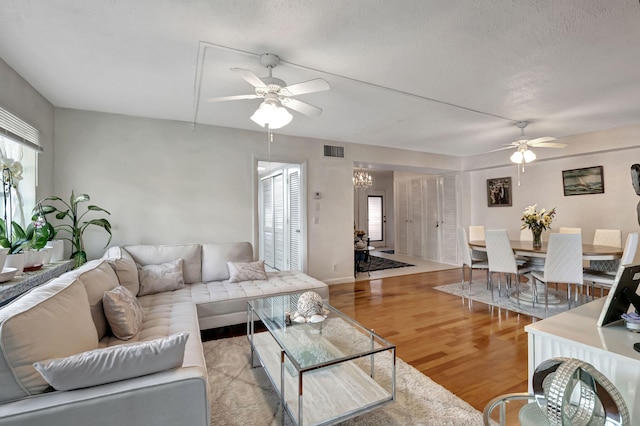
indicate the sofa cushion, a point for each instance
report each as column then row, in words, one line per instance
column 124, row 266
column 246, row 271
column 159, row 278
column 156, row 254
column 97, row 277
column 51, row 321
column 106, row 365
column 123, row 311
column 216, row 256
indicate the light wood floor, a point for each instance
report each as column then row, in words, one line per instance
column 477, row 352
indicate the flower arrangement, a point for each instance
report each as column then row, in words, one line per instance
column 535, row 220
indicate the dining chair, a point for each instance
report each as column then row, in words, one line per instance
column 563, row 264
column 526, row 235
column 468, row 261
column 604, row 279
column 565, row 230
column 502, row 261
column 609, row 238
column 476, row 233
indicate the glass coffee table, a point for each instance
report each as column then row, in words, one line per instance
column 325, row 372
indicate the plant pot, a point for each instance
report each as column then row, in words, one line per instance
column 15, row 261
column 57, row 252
column 33, row 258
column 3, row 257
column 46, row 254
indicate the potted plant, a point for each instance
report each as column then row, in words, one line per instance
column 19, row 241
column 77, row 226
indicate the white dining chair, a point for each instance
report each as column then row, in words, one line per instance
column 476, row 233
column 526, row 235
column 609, row 238
column 468, row 261
column 565, row 230
column 604, row 279
column 563, row 264
column 502, row 261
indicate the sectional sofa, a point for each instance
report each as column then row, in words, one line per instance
column 64, row 358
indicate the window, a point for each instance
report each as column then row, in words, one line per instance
column 375, row 217
column 19, row 145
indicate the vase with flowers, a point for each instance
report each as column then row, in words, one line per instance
column 537, row 221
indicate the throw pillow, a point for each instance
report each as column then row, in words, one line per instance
column 246, row 271
column 125, row 268
column 160, row 278
column 123, row 312
column 120, row 362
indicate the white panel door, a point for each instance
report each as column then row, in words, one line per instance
column 402, row 218
column 267, row 222
column 449, row 223
column 432, row 220
column 416, row 219
column 295, row 222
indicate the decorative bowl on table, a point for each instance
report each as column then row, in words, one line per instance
column 7, row 274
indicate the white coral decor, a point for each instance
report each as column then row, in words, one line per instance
column 310, row 304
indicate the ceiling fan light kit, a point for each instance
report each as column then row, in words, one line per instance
column 277, row 95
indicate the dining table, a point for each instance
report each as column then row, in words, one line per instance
column 526, row 249
column 537, row 255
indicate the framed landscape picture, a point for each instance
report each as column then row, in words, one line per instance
column 499, row 192
column 588, row 180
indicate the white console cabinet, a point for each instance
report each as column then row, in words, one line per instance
column 609, row 349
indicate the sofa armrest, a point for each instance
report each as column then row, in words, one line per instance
column 172, row 397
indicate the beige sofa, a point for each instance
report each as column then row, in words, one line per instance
column 66, row 317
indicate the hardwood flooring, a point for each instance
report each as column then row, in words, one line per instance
column 477, row 352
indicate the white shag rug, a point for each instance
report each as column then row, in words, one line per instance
column 242, row 395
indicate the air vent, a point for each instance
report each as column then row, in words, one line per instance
column 334, row 151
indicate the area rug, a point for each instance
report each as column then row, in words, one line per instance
column 380, row 263
column 480, row 293
column 242, row 395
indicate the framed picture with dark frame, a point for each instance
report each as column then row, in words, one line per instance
column 588, row 180
column 499, row 192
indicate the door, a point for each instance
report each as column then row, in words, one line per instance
column 281, row 219
column 376, row 218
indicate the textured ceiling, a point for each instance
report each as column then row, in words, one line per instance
column 450, row 77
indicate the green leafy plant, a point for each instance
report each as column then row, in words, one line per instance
column 70, row 212
column 19, row 240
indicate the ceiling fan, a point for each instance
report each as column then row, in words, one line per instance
column 276, row 94
column 523, row 154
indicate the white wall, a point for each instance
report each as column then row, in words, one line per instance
column 166, row 183
column 542, row 184
column 22, row 100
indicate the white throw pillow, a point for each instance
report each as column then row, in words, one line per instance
column 160, row 278
column 120, row 362
column 123, row 312
column 246, row 271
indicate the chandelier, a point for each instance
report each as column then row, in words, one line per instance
column 362, row 180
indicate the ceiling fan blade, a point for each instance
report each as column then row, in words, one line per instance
column 535, row 142
column 550, row 145
column 231, row 98
column 249, row 77
column 317, row 85
column 503, row 148
column 301, row 107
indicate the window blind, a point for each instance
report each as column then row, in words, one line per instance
column 19, row 131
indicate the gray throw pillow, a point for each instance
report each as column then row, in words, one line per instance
column 120, row 362
column 160, row 278
column 246, row 271
column 123, row 312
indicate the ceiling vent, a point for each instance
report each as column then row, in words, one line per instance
column 334, row 151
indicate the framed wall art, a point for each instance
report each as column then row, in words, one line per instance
column 499, row 192
column 588, row 180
